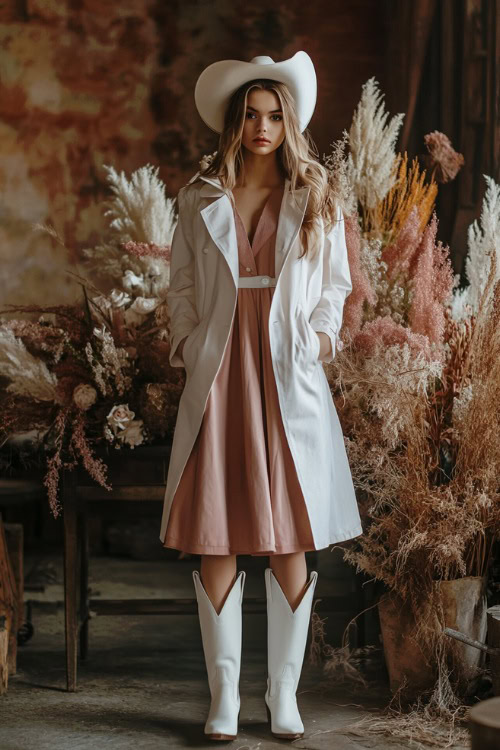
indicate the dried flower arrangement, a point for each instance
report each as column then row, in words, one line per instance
column 417, row 383
column 98, row 373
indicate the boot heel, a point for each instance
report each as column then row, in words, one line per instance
column 280, row 735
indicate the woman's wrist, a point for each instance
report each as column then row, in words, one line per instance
column 325, row 344
column 180, row 347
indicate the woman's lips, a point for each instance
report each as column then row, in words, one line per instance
column 261, row 140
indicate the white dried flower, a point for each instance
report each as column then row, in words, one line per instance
column 108, row 434
column 372, row 161
column 113, row 360
column 141, row 307
column 139, row 211
column 144, row 305
column 132, row 282
column 483, row 241
column 132, row 435
column 206, row 160
column 119, row 298
column 28, row 374
column 120, row 417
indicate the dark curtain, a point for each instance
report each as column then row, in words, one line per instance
column 442, row 70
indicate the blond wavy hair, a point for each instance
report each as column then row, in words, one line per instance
column 297, row 159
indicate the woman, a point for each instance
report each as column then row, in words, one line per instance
column 259, row 274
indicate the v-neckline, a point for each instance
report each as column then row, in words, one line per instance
column 251, row 242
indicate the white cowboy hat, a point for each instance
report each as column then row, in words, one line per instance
column 221, row 79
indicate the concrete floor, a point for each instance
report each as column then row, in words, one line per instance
column 144, row 684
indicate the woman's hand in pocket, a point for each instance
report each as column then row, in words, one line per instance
column 180, row 348
column 325, row 344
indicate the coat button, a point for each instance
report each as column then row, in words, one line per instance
column 248, row 269
column 205, row 250
column 265, row 281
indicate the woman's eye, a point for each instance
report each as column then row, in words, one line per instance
column 252, row 114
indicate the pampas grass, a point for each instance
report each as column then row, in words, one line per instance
column 417, row 387
column 483, row 243
column 372, row 162
column 408, row 194
column 28, row 375
column 141, row 224
column 139, row 210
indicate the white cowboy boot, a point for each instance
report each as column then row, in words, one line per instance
column 286, row 642
column 221, row 637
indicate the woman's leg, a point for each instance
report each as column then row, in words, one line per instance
column 290, row 571
column 218, row 574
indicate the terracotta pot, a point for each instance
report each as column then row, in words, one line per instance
column 412, row 670
column 465, row 605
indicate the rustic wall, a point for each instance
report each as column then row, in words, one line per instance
column 84, row 82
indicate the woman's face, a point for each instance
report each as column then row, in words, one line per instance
column 263, row 130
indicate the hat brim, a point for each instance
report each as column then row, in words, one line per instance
column 221, row 79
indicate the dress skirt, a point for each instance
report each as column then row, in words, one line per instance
column 239, row 492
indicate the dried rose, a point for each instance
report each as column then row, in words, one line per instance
column 120, row 417
column 141, row 307
column 84, row 396
column 206, row 160
column 119, row 298
column 443, row 159
column 132, row 435
column 132, row 282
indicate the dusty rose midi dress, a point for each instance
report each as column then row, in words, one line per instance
column 239, row 492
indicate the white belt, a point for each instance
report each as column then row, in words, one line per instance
column 254, row 282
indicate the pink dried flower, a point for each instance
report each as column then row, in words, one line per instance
column 399, row 255
column 147, row 250
column 95, row 466
column 443, row 160
column 384, row 331
column 432, row 282
column 361, row 288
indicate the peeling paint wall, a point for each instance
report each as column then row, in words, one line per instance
column 86, row 83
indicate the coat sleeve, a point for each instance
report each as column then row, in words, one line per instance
column 181, row 293
column 336, row 286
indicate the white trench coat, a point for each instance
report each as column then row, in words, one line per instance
column 309, row 296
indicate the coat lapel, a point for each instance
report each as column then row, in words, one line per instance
column 219, row 220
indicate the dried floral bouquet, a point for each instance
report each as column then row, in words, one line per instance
column 417, row 383
column 97, row 372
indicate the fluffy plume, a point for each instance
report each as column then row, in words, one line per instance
column 410, row 194
column 29, row 375
column 431, row 285
column 362, row 290
column 372, row 161
column 337, row 166
column 483, row 242
column 142, row 222
column 399, row 253
column 139, row 210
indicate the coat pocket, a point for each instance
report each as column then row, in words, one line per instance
column 188, row 349
column 308, row 335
